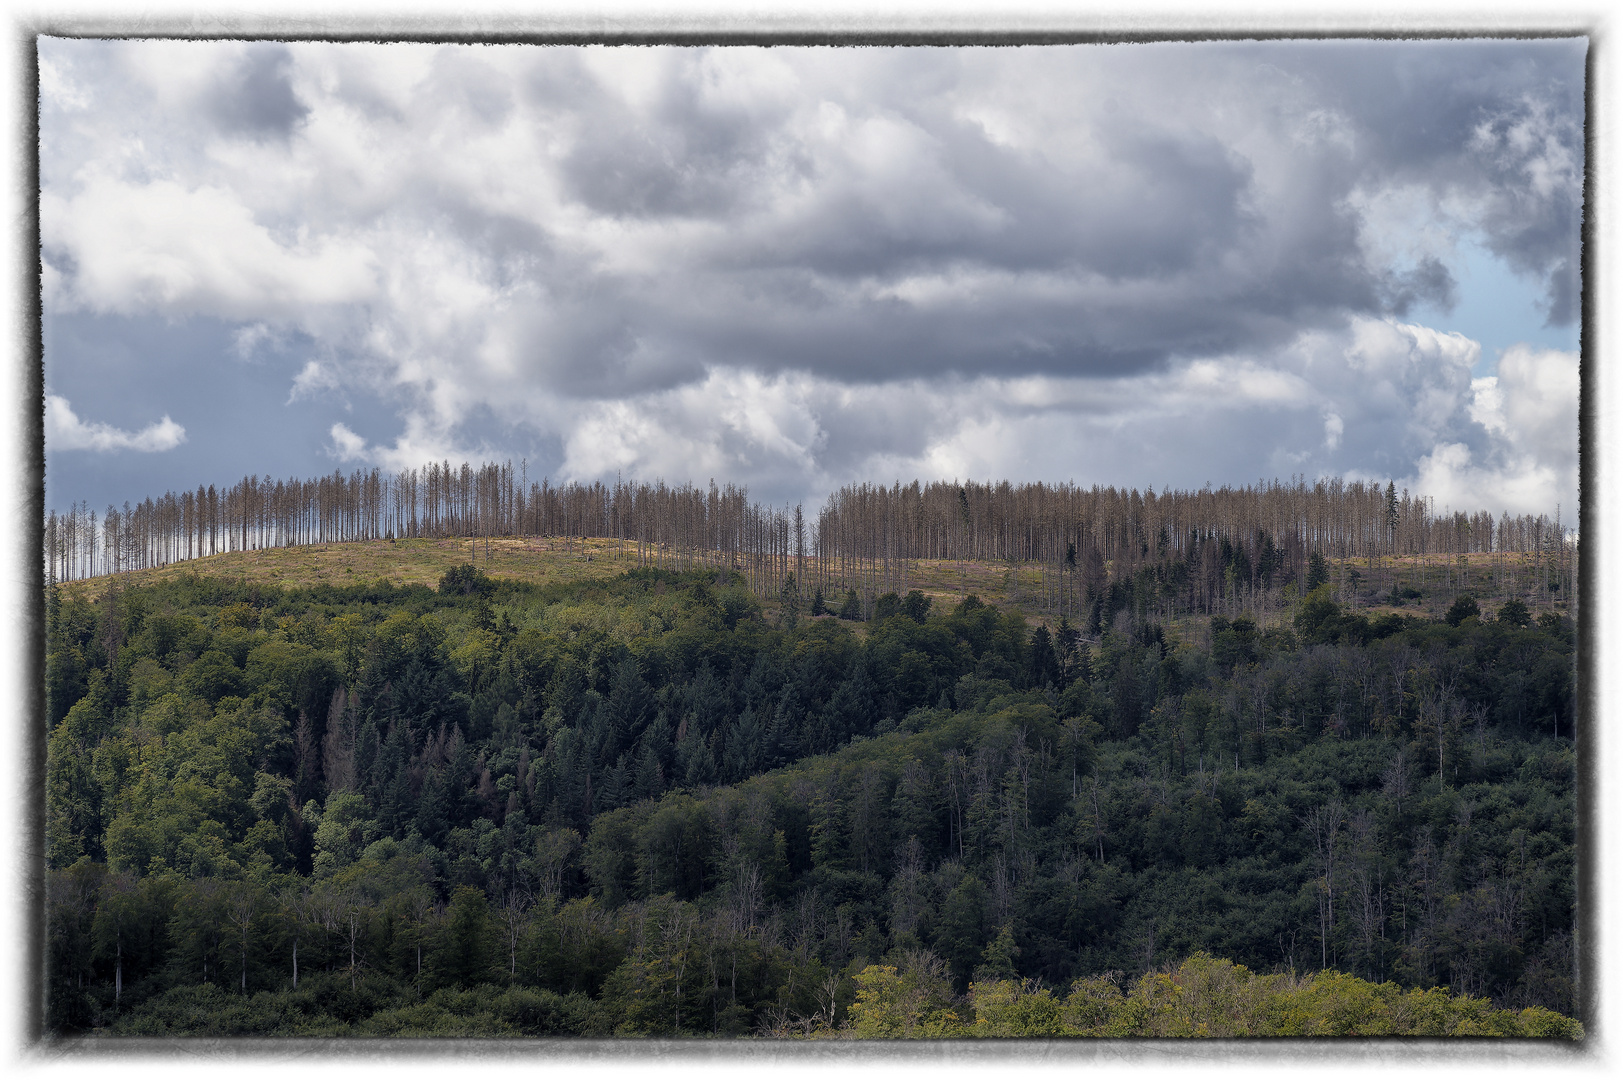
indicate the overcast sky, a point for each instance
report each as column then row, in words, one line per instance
column 794, row 268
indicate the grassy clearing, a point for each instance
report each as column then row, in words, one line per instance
column 1005, row 585
column 400, row 562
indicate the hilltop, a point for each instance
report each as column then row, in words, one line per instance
column 1421, row 585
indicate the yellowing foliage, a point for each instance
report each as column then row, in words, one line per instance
column 1204, row 997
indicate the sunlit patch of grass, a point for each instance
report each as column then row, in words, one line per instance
column 1009, row 586
column 399, row 562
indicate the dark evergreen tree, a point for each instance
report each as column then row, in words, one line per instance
column 1514, row 613
column 1318, row 571
column 784, row 733
column 1043, row 665
column 1464, row 607
column 744, row 746
column 851, row 606
column 630, row 704
column 650, row 776
column 431, row 817
column 1068, row 652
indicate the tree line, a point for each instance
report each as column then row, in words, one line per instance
column 865, row 540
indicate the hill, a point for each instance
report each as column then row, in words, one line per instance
column 647, row 797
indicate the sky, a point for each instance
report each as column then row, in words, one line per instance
column 1143, row 265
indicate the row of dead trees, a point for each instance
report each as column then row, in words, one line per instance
column 867, row 538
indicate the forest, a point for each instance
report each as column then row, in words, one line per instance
column 1194, row 777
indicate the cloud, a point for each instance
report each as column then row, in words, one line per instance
column 1530, row 410
column 1333, row 427
column 311, row 380
column 1378, row 400
column 65, row 431
column 1531, row 217
column 793, row 265
column 161, row 246
column 246, row 340
column 1539, row 402
column 255, row 96
column 56, row 87
column 914, row 210
column 346, row 445
column 1479, row 136
column 1430, row 282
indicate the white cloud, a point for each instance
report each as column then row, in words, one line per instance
column 313, row 378
column 1540, row 401
column 246, row 341
column 1488, row 404
column 346, row 445
column 65, row 431
column 175, row 250
column 1529, row 408
column 1333, row 427
column 737, row 426
column 59, row 88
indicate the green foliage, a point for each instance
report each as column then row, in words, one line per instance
column 465, row 579
column 1009, row 1008
column 1318, row 571
column 638, row 806
column 341, row 832
column 1205, row 997
column 1464, row 607
column 1202, row 997
column 915, row 1003
column 1514, row 613
column 462, row 952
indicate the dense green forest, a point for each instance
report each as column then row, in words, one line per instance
column 654, row 805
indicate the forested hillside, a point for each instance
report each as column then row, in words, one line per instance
column 650, row 804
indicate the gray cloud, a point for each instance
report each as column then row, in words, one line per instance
column 1428, row 283
column 256, row 97
column 1498, row 124
column 1158, row 244
column 677, row 156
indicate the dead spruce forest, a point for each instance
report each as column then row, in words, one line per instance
column 451, row 752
